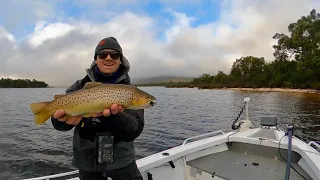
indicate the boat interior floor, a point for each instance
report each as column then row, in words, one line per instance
column 247, row 161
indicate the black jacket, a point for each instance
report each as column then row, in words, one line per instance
column 124, row 126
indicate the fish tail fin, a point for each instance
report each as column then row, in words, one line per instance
column 37, row 107
column 40, row 114
column 41, row 117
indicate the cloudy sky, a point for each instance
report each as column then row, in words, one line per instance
column 54, row 40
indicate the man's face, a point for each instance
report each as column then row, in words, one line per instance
column 108, row 63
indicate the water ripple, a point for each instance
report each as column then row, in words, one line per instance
column 28, row 150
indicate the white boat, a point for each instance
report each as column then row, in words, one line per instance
column 246, row 153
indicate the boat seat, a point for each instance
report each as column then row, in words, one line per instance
column 266, row 132
column 269, row 121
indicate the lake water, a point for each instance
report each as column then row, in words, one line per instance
column 28, row 150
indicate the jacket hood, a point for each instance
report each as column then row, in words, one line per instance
column 123, row 75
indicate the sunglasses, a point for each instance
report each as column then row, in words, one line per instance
column 114, row 55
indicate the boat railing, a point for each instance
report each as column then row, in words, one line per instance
column 54, row 176
column 315, row 144
column 216, row 133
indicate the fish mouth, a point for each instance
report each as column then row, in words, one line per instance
column 152, row 103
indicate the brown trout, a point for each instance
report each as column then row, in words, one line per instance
column 93, row 98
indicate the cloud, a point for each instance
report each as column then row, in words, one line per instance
column 51, row 31
column 99, row 4
column 58, row 52
column 7, row 49
column 256, row 22
column 18, row 14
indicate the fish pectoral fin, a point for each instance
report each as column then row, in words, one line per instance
column 58, row 96
column 64, row 117
column 89, row 85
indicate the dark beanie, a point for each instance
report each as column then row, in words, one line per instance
column 108, row 43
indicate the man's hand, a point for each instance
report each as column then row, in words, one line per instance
column 73, row 120
column 115, row 109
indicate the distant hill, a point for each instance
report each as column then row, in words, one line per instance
column 161, row 79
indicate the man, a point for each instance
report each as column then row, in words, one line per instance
column 103, row 145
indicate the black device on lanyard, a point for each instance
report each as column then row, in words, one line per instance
column 105, row 148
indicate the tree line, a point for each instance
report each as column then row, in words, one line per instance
column 22, row 83
column 296, row 62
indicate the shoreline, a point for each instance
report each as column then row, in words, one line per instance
column 289, row 90
column 307, row 91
